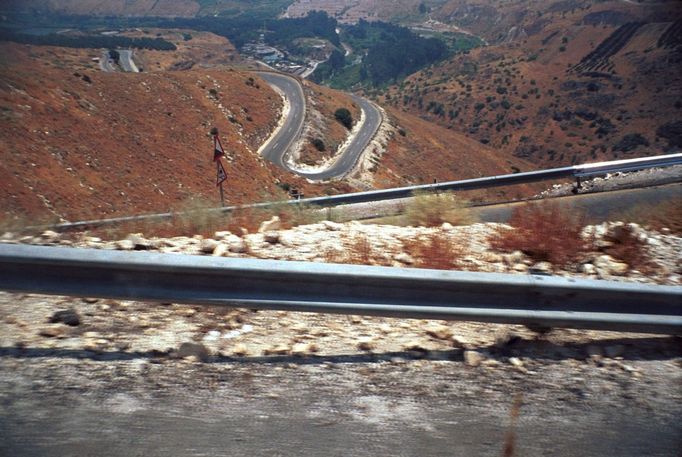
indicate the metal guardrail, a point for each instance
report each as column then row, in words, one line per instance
column 577, row 171
column 346, row 289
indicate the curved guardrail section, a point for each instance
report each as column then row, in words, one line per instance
column 347, row 289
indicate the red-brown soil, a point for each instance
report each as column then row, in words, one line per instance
column 79, row 143
column 202, row 49
column 428, row 152
column 172, row 8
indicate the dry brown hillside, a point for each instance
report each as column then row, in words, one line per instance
column 78, row 142
column 586, row 84
column 171, row 8
column 421, row 152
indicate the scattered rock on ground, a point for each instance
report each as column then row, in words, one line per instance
column 273, row 224
column 193, row 350
column 473, row 358
column 67, row 316
column 366, row 344
column 208, row 245
column 139, row 242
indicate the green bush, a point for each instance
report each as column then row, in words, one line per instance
column 630, row 142
column 319, row 144
column 344, row 117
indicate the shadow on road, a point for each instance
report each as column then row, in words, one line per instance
column 645, row 348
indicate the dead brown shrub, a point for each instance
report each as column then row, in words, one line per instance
column 433, row 209
column 436, row 251
column 359, row 250
column 332, row 255
column 627, row 247
column 544, row 232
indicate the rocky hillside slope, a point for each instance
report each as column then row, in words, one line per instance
column 167, row 8
column 578, row 83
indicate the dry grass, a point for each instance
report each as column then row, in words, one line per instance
column 435, row 251
column 360, row 250
column 27, row 225
column 246, row 218
column 293, row 215
column 197, row 216
column 510, row 436
column 431, row 210
column 544, row 232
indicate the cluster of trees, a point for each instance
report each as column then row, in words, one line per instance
column 238, row 26
column 87, row 41
column 244, row 28
column 391, row 53
column 333, row 65
column 399, row 53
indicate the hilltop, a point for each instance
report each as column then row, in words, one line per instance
column 148, row 8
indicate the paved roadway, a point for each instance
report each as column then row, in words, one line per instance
column 597, row 207
column 279, row 144
column 126, row 61
column 105, row 63
column 276, row 149
column 354, row 408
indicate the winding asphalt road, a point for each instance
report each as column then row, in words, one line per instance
column 277, row 146
column 126, row 61
column 276, row 149
column 105, row 63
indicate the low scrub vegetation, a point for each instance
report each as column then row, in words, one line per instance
column 360, row 251
column 344, row 116
column 433, row 209
column 436, row 251
column 198, row 217
column 544, row 232
column 626, row 246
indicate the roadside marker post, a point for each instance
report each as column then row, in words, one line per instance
column 219, row 153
